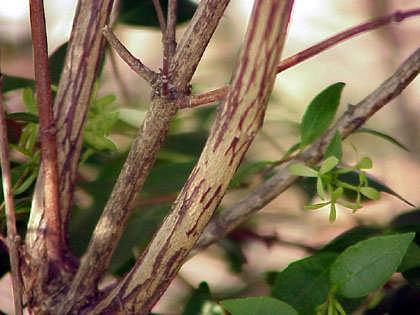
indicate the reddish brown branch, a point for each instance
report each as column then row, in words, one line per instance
column 13, row 240
column 54, row 235
column 398, row 16
column 171, row 29
column 160, row 16
column 314, row 50
column 134, row 63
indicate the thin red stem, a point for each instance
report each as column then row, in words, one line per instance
column 13, row 240
column 54, row 233
column 397, row 16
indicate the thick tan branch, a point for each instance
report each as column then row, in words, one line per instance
column 352, row 119
column 236, row 125
column 84, row 54
column 142, row 155
column 54, row 233
column 398, row 16
column 13, row 239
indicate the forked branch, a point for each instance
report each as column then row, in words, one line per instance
column 352, row 119
column 142, row 155
column 235, row 126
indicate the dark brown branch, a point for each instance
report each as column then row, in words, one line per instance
column 142, row 155
column 54, row 233
column 398, row 16
column 134, row 63
column 350, row 121
column 13, row 239
column 234, row 128
column 160, row 16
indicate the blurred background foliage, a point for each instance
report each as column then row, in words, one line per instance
column 283, row 232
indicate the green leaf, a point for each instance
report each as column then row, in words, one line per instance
column 197, row 299
column 366, row 266
column 328, row 164
column 320, row 188
column 365, row 163
column 142, row 12
column 370, row 192
column 334, row 147
column 320, row 113
column 300, row 169
column 11, row 83
column 383, row 136
column 29, row 101
column 316, row 206
column 262, row 305
column 353, row 178
column 333, row 213
column 304, row 283
column 23, row 116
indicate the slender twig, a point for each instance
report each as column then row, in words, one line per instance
column 350, row 121
column 398, row 16
column 47, row 131
column 169, row 45
column 160, row 16
column 13, row 239
column 134, row 63
column 171, row 29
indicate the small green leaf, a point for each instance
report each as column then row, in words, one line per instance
column 334, row 147
column 304, row 283
column 29, row 101
column 26, row 184
column 11, row 83
column 328, row 164
column 337, row 193
column 300, row 169
column 316, row 206
column 383, row 136
column 23, row 116
column 320, row 113
column 364, row 163
column 333, row 213
column 320, row 188
column 262, row 305
column 370, row 192
column 366, row 266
